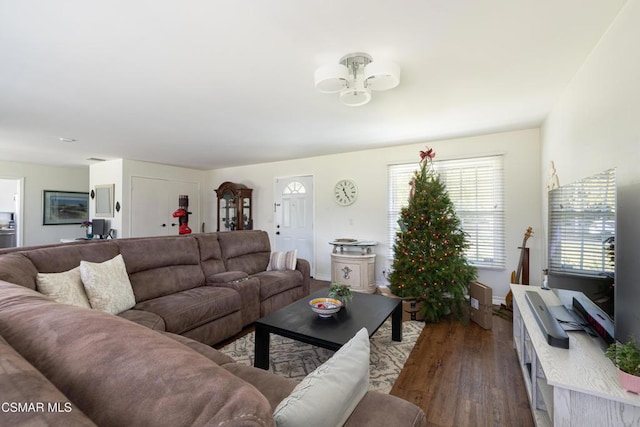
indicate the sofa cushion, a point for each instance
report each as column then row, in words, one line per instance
column 275, row 282
column 217, row 330
column 144, row 318
column 107, row 285
column 207, row 351
column 189, row 309
column 276, row 302
column 17, row 268
column 24, row 384
column 381, row 409
column 273, row 387
column 119, row 373
column 245, row 250
column 333, row 390
column 161, row 266
column 57, row 259
column 65, row 287
column 283, row 260
column 210, row 253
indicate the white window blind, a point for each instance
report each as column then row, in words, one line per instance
column 581, row 220
column 476, row 188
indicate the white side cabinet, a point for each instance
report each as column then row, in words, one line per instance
column 577, row 386
column 354, row 269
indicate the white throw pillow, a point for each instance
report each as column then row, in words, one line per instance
column 328, row 395
column 65, row 287
column 283, row 260
column 107, row 285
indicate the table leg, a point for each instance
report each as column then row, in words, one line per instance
column 261, row 348
column 396, row 323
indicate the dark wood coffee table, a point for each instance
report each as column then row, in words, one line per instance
column 298, row 322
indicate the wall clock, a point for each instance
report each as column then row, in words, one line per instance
column 345, row 192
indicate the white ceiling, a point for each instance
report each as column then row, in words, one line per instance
column 208, row 83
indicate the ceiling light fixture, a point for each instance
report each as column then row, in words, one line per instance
column 355, row 76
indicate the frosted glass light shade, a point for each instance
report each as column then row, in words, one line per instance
column 331, row 78
column 356, row 76
column 356, row 96
column 382, row 75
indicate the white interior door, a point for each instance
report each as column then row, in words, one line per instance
column 149, row 207
column 153, row 202
column 294, row 216
column 11, row 210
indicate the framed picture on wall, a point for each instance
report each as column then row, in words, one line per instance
column 104, row 200
column 65, row 207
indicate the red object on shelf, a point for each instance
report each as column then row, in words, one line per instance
column 182, row 213
column 179, row 213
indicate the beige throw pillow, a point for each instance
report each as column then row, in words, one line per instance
column 107, row 285
column 65, row 287
column 283, row 260
column 328, row 395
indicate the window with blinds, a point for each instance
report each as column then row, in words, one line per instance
column 476, row 188
column 582, row 223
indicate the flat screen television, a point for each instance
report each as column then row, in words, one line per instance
column 627, row 287
column 582, row 248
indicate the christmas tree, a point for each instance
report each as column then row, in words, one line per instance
column 429, row 263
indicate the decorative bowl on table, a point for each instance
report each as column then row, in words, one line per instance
column 325, row 307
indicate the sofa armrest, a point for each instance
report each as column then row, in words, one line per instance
column 226, row 277
column 23, row 384
column 247, row 287
column 304, row 267
column 144, row 318
column 144, row 378
column 377, row 408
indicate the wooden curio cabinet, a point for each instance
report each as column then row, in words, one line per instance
column 234, row 207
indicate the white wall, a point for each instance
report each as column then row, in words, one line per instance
column 109, row 172
column 367, row 218
column 133, row 168
column 36, row 179
column 120, row 171
column 596, row 123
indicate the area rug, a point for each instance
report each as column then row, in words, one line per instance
column 296, row 360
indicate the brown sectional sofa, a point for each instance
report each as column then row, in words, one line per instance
column 66, row 365
column 203, row 286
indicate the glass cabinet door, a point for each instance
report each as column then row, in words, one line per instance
column 234, row 207
column 227, row 212
column 246, row 214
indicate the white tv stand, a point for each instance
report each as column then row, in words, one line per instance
column 577, row 386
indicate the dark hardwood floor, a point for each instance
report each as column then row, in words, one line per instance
column 463, row 375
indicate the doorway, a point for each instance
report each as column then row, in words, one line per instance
column 11, row 212
column 294, row 216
